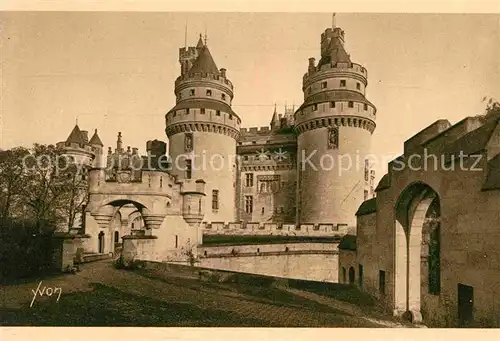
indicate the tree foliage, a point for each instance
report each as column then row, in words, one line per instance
column 42, row 185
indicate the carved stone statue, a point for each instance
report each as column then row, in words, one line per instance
column 188, row 142
column 333, row 138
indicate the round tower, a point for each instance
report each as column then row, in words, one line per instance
column 203, row 129
column 334, row 127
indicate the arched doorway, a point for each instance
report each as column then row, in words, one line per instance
column 351, row 275
column 417, row 249
column 100, row 239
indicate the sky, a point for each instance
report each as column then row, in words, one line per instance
column 115, row 71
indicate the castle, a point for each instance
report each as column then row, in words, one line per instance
column 219, row 174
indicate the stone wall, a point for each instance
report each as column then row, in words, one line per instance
column 278, row 229
column 469, row 234
column 314, row 265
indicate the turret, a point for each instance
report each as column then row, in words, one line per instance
column 334, row 127
column 193, row 203
column 203, row 129
column 97, row 146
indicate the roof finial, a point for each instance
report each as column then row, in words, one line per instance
column 205, row 34
column 275, row 107
column 333, row 21
column 186, row 36
column 76, row 120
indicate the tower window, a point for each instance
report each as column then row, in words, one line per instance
column 249, row 180
column 248, row 204
column 351, row 104
column 174, row 114
column 209, row 92
column 223, row 96
column 358, row 86
column 309, row 90
column 315, row 107
column 217, row 113
column 202, row 111
column 365, row 106
column 187, row 111
column 215, row 199
column 230, row 116
column 191, row 92
column 323, row 85
column 189, row 169
column 342, row 83
column 263, row 210
column 332, row 104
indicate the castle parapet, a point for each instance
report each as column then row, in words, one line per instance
column 285, row 229
column 204, row 76
column 193, row 206
column 353, row 68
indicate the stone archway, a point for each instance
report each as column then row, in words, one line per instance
column 417, row 249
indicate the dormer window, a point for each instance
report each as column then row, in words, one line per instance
column 332, row 104
column 342, row 83
column 191, row 92
column 351, row 104
column 358, row 86
column 187, row 111
column 202, row 111
column 217, row 113
column 315, row 107
column 223, row 96
column 209, row 92
column 365, row 106
column 230, row 116
column 323, row 85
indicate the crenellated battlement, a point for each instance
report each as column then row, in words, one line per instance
column 329, row 69
column 203, row 77
column 265, row 130
column 256, row 228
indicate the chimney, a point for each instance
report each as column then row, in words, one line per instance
column 135, row 151
column 223, row 72
column 85, row 135
column 311, row 67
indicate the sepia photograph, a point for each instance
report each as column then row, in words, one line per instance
column 240, row 169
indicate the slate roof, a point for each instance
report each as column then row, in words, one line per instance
column 76, row 136
column 348, row 242
column 338, row 55
column 204, row 63
column 96, row 140
column 473, row 142
column 367, row 207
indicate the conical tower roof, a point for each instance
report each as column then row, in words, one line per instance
column 95, row 140
column 204, row 63
column 76, row 136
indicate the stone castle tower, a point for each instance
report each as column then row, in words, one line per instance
column 203, row 129
column 334, row 127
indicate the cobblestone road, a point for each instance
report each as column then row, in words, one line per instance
column 101, row 295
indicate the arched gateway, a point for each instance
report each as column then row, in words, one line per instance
column 147, row 206
column 417, row 250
